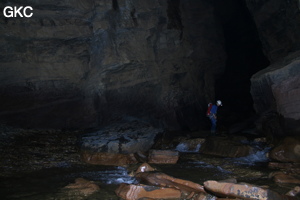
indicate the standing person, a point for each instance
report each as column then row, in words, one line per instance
column 213, row 116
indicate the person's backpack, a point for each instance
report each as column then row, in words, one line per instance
column 209, row 106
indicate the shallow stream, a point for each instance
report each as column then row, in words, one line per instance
column 52, row 172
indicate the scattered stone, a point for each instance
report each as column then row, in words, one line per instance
column 135, row 192
column 163, row 157
column 103, row 158
column 281, row 177
column 190, row 145
column 244, row 191
column 287, row 151
column 163, row 180
column 83, row 186
column 294, row 192
column 145, row 167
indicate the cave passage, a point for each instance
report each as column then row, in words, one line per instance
column 244, row 58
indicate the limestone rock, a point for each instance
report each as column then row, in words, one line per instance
column 125, row 138
column 163, row 156
column 104, row 158
column 243, row 191
column 287, row 151
column 294, row 192
column 83, row 64
column 282, row 177
column 279, row 36
column 276, row 88
column 225, row 147
column 83, row 186
column 190, row 145
column 145, row 167
column 163, row 180
column 116, row 144
column 136, row 192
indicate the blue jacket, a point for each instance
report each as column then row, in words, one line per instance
column 214, row 109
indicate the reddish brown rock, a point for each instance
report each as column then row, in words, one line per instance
column 244, row 191
column 295, row 191
column 287, row 151
column 135, row 192
column 103, row 158
column 163, row 180
column 145, row 167
column 163, row 157
column 281, row 177
column 83, row 186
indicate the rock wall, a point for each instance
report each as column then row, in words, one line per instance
column 276, row 88
column 85, row 63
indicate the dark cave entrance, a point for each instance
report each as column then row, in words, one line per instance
column 244, row 58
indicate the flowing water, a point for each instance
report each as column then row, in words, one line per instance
column 58, row 165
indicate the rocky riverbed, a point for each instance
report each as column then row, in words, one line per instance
column 48, row 164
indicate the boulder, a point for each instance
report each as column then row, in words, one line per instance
column 287, row 151
column 282, row 177
column 117, row 144
column 103, row 158
column 190, row 145
column 243, row 191
column 160, row 179
column 225, row 147
column 276, row 89
column 163, row 156
column 294, row 192
column 83, row 187
column 145, row 167
column 136, row 192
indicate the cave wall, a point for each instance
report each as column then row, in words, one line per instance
column 85, row 63
column 277, row 88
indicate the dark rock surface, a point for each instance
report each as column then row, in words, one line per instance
column 277, row 22
column 276, row 88
column 123, row 138
column 81, row 64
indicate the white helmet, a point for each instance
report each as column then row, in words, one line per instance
column 219, row 103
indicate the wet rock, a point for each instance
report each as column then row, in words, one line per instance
column 287, row 151
column 163, row 180
column 243, row 191
column 136, row 192
column 127, row 137
column 83, row 187
column 225, row 147
column 190, row 145
column 163, row 156
column 283, row 177
column 294, row 192
column 102, row 158
column 145, row 167
column 203, row 196
column 116, row 144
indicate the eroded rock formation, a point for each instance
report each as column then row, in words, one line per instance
column 85, row 63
